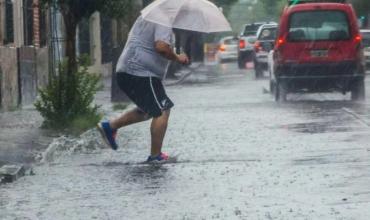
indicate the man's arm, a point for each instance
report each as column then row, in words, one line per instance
column 166, row 51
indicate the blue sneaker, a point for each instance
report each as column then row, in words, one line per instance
column 161, row 158
column 109, row 135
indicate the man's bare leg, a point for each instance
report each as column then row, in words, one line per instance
column 158, row 130
column 128, row 118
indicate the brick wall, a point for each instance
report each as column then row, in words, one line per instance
column 36, row 23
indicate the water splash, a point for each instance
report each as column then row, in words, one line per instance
column 88, row 142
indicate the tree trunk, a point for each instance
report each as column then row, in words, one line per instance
column 70, row 25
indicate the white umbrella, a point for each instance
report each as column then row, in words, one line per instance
column 194, row 15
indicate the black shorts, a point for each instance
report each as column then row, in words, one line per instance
column 146, row 92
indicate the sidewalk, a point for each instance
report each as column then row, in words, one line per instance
column 21, row 139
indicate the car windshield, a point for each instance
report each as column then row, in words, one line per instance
column 252, row 40
column 233, row 41
column 321, row 25
column 250, row 29
column 366, row 39
column 268, row 34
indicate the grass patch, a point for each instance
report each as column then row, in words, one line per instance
column 120, row 106
column 83, row 123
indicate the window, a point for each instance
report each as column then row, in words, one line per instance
column 250, row 29
column 232, row 41
column 43, row 28
column 9, row 22
column 322, row 25
column 268, row 34
column 28, row 22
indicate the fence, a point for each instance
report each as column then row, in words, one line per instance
column 22, row 71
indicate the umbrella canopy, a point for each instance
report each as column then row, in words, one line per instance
column 194, row 15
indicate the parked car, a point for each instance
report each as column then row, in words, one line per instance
column 266, row 37
column 319, row 54
column 246, row 40
column 228, row 49
column 366, row 43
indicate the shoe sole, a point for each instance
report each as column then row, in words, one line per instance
column 101, row 131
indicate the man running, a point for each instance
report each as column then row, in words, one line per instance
column 140, row 70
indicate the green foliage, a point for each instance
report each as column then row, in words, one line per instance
column 67, row 101
column 270, row 9
column 83, row 123
column 225, row 4
column 120, row 106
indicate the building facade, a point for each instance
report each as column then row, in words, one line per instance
column 32, row 43
column 23, row 52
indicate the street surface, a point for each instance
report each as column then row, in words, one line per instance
column 239, row 155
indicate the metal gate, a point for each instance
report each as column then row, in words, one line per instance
column 27, row 75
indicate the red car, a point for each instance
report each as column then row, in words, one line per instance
column 318, row 49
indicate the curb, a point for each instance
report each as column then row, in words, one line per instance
column 11, row 172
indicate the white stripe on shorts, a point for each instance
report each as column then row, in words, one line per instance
column 155, row 96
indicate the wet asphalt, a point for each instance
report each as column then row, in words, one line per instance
column 237, row 155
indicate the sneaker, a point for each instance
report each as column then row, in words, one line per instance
column 161, row 158
column 109, row 135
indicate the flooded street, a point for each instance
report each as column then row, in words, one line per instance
column 238, row 155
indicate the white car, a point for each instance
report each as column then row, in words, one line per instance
column 366, row 43
column 270, row 68
column 266, row 36
column 228, row 49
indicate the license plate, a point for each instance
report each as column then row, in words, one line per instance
column 319, row 53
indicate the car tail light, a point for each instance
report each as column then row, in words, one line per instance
column 222, row 47
column 357, row 41
column 242, row 44
column 358, row 38
column 279, row 42
column 257, row 46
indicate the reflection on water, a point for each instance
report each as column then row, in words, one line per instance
column 148, row 172
column 327, row 116
column 319, row 127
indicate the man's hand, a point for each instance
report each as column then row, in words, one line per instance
column 166, row 51
column 183, row 59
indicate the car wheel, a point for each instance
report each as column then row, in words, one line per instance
column 249, row 57
column 241, row 63
column 281, row 92
column 272, row 87
column 258, row 70
column 358, row 91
